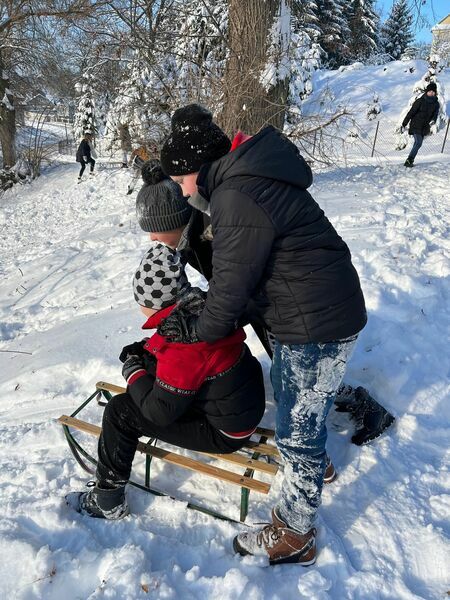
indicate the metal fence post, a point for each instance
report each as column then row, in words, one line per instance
column 375, row 139
column 445, row 137
column 314, row 143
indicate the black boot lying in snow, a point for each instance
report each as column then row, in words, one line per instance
column 370, row 418
column 100, row 502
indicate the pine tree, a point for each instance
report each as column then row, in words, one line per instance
column 304, row 51
column 363, row 22
column 303, row 56
column 200, row 51
column 396, row 33
column 85, row 119
column 305, row 17
column 334, row 32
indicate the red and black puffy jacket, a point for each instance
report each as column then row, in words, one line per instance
column 223, row 380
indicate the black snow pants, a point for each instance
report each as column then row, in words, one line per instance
column 123, row 425
column 90, row 161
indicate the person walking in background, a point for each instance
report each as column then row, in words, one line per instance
column 421, row 116
column 85, row 155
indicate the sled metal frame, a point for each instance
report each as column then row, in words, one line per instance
column 261, row 448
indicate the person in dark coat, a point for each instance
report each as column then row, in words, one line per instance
column 200, row 396
column 422, row 114
column 85, row 155
column 273, row 249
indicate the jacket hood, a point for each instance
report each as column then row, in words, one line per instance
column 267, row 154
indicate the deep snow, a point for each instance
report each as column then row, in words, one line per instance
column 68, row 253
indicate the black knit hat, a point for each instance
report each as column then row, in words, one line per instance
column 194, row 140
column 160, row 205
column 431, row 87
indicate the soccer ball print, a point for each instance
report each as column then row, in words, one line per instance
column 159, row 276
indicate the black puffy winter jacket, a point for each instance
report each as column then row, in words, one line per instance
column 274, row 247
column 424, row 110
column 84, row 151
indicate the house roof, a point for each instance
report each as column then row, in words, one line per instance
column 443, row 25
column 445, row 20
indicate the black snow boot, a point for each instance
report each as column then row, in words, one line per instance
column 370, row 418
column 99, row 502
column 409, row 162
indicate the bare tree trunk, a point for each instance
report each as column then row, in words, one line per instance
column 7, row 120
column 247, row 105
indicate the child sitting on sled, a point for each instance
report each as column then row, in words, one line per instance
column 198, row 396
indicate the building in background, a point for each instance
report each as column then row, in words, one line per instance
column 441, row 39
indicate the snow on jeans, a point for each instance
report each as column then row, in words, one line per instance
column 305, row 380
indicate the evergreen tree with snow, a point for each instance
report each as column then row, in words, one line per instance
column 363, row 22
column 305, row 17
column 85, row 118
column 396, row 33
column 373, row 108
column 303, row 57
column 334, row 33
column 200, row 51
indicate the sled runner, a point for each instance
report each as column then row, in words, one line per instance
column 246, row 459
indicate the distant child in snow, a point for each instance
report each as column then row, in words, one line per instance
column 86, row 154
column 422, row 114
column 199, row 396
column 137, row 159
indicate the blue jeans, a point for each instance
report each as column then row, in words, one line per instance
column 305, row 380
column 418, row 141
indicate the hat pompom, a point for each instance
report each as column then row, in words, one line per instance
column 152, row 172
column 191, row 115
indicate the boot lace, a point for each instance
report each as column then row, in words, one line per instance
column 269, row 535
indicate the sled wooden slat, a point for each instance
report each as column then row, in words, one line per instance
column 244, row 461
column 264, row 449
column 117, row 389
column 182, row 461
column 110, row 387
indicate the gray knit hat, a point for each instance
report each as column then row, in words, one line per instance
column 160, row 205
column 159, row 278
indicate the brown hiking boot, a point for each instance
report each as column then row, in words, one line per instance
column 279, row 543
column 330, row 472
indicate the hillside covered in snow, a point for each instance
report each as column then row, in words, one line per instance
column 68, row 253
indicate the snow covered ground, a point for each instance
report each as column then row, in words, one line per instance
column 68, row 253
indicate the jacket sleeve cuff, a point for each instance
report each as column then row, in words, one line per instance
column 135, row 376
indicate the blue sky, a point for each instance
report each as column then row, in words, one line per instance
column 432, row 11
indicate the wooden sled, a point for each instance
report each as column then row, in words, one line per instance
column 246, row 459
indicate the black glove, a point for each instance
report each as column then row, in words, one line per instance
column 135, row 349
column 131, row 365
column 149, row 364
column 191, row 300
column 179, row 327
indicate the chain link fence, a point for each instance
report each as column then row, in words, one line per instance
column 343, row 142
column 347, row 141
